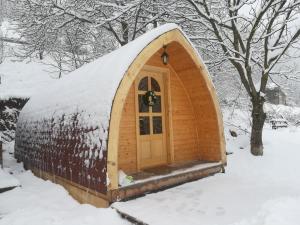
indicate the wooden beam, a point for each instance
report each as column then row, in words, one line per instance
column 140, row 189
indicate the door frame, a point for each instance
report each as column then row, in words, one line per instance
column 168, row 113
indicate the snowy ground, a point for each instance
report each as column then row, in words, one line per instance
column 7, row 180
column 10, row 166
column 253, row 191
column 39, row 202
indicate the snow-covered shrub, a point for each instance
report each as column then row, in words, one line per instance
column 290, row 113
column 9, row 112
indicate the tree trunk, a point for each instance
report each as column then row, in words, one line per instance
column 258, row 120
column 125, row 30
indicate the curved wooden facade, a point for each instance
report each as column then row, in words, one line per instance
column 196, row 120
column 187, row 126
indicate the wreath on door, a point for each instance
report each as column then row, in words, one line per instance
column 150, row 98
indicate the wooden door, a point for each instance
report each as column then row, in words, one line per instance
column 150, row 113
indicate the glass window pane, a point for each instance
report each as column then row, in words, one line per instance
column 142, row 106
column 154, row 85
column 157, row 106
column 157, row 125
column 143, row 85
column 144, row 125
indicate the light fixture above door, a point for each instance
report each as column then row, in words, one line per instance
column 164, row 56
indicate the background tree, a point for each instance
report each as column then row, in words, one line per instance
column 74, row 32
column 253, row 36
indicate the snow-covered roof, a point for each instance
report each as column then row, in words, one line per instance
column 91, row 88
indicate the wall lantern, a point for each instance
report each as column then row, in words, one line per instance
column 165, row 56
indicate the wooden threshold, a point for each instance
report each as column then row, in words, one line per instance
column 162, row 182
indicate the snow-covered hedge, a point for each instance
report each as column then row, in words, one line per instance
column 9, row 112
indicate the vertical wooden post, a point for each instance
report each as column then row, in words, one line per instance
column 1, row 159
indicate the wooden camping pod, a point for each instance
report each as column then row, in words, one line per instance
column 185, row 131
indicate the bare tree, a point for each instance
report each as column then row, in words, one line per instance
column 253, row 35
column 79, row 31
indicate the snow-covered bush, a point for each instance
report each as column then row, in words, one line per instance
column 290, row 113
column 9, row 112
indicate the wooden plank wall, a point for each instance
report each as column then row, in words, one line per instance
column 184, row 129
column 194, row 83
column 206, row 115
column 127, row 141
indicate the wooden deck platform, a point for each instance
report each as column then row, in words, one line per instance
column 169, row 169
column 163, row 177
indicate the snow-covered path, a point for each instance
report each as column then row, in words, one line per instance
column 255, row 190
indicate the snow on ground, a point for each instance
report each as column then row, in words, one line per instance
column 39, row 202
column 253, row 191
column 42, row 202
column 7, row 180
column 6, row 177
